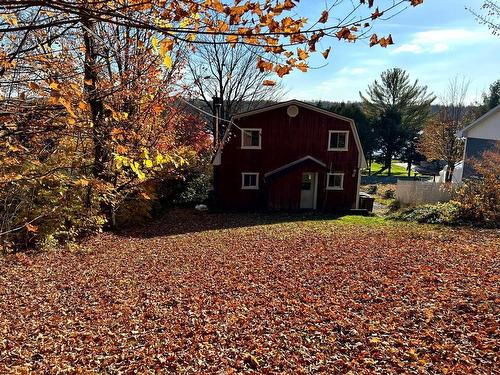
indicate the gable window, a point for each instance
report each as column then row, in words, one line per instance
column 250, row 181
column 251, row 139
column 335, row 181
column 338, row 140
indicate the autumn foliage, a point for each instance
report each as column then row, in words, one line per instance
column 480, row 195
column 91, row 95
column 205, row 293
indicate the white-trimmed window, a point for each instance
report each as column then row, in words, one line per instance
column 338, row 140
column 335, row 181
column 250, row 181
column 251, row 139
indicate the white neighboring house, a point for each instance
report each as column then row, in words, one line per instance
column 480, row 136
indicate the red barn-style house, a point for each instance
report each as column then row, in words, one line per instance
column 289, row 156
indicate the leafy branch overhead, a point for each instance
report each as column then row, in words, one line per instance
column 284, row 39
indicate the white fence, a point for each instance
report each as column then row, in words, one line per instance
column 422, row 192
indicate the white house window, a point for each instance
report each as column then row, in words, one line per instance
column 251, row 138
column 250, row 181
column 338, row 140
column 335, row 181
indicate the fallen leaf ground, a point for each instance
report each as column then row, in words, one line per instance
column 225, row 293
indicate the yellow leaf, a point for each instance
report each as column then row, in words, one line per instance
column 82, row 182
column 55, row 86
column 167, row 60
column 154, row 42
column 148, row 163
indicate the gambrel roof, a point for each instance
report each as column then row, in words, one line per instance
column 298, row 103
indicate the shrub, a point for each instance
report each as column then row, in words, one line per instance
column 480, row 196
column 47, row 212
column 387, row 191
column 389, row 194
column 440, row 213
column 196, row 190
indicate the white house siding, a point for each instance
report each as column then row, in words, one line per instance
column 489, row 128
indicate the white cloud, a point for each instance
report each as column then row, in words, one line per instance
column 437, row 41
column 410, row 47
column 440, row 47
column 352, row 71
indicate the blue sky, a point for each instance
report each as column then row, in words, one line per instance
column 434, row 42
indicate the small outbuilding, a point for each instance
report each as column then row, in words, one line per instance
column 289, row 156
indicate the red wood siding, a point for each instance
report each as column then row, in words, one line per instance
column 285, row 140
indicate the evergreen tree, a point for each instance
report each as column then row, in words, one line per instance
column 398, row 109
column 491, row 99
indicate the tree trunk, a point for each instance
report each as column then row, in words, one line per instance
column 388, row 161
column 409, row 167
column 101, row 134
column 449, row 172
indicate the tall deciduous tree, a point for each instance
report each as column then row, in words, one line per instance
column 439, row 139
column 229, row 73
column 398, row 109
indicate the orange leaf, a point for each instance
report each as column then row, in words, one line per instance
column 324, row 17
column 343, row 33
column 232, row 39
column 282, row 70
column 303, row 55
column 327, row 52
column 31, row 227
column 302, row 67
column 268, row 82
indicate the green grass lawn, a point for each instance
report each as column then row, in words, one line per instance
column 396, row 170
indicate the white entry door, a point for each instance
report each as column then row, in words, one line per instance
column 308, row 190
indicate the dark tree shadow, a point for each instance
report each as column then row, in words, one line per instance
column 182, row 221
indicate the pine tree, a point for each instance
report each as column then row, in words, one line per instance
column 399, row 109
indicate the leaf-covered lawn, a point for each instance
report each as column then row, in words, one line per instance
column 226, row 293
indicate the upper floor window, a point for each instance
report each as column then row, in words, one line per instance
column 335, row 181
column 338, row 140
column 250, row 181
column 251, row 138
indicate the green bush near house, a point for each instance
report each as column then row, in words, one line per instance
column 196, row 190
column 441, row 213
